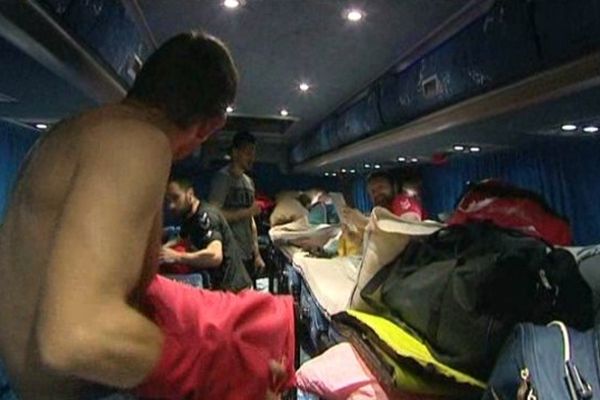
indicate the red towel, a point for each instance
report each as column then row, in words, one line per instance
column 218, row 345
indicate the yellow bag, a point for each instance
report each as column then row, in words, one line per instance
column 392, row 350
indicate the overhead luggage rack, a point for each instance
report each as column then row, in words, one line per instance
column 31, row 28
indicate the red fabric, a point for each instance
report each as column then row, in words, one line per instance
column 403, row 204
column 265, row 203
column 177, row 268
column 217, row 345
column 523, row 214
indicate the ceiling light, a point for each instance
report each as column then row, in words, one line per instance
column 401, row 159
column 229, row 109
column 590, row 129
column 376, row 166
column 41, row 126
column 414, row 160
column 352, row 171
column 474, row 149
column 569, row 127
column 367, row 166
column 304, row 86
column 333, row 174
column 284, row 113
column 354, row 15
column 326, row 173
column 231, row 3
column 458, row 147
column 343, row 170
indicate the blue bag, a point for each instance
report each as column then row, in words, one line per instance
column 551, row 362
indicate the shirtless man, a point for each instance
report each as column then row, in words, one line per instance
column 81, row 236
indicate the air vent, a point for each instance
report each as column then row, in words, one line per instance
column 4, row 98
column 431, row 87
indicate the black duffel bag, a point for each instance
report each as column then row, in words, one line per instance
column 464, row 288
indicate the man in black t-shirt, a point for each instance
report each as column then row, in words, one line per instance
column 208, row 239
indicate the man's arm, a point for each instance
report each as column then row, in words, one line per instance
column 86, row 328
column 242, row 213
column 259, row 263
column 209, row 257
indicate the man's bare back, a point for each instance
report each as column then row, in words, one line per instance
column 33, row 218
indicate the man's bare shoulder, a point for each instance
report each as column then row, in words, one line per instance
column 108, row 131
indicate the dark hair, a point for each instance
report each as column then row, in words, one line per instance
column 189, row 77
column 241, row 139
column 381, row 175
column 184, row 183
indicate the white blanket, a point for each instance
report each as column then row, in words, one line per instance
column 331, row 280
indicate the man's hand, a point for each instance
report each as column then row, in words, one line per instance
column 259, row 263
column 279, row 378
column 254, row 209
column 168, row 256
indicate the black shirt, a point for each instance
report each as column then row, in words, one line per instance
column 206, row 225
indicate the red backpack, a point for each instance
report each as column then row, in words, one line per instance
column 509, row 206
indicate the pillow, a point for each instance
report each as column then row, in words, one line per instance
column 287, row 210
column 339, row 374
column 301, row 234
column 386, row 236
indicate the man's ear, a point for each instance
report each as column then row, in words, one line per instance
column 208, row 126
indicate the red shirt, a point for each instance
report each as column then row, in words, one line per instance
column 403, row 204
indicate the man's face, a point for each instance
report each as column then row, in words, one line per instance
column 381, row 192
column 179, row 201
column 200, row 133
column 245, row 156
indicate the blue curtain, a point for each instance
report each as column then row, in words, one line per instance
column 563, row 170
column 15, row 141
column 360, row 197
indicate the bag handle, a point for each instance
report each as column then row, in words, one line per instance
column 578, row 388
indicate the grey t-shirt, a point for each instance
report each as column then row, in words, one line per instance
column 232, row 192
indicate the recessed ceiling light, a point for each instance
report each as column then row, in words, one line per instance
column 474, row 149
column 569, row 127
column 284, row 113
column 304, row 86
column 367, row 166
column 376, row 166
column 343, row 170
column 231, row 3
column 458, row 147
column 401, row 159
column 41, row 126
column 590, row 129
column 326, row 174
column 352, row 171
column 414, row 160
column 354, row 15
column 333, row 174
column 229, row 109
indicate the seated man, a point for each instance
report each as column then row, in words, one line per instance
column 209, row 243
column 382, row 189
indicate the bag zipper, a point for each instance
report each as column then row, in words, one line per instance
column 525, row 390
